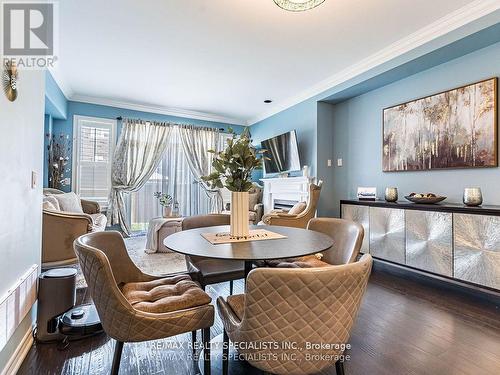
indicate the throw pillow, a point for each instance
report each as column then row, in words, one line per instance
column 297, row 208
column 50, row 203
column 69, row 202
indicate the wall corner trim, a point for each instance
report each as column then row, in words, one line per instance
column 19, row 354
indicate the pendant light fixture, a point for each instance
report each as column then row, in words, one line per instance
column 298, row 5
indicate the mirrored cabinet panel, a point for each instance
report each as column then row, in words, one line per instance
column 360, row 215
column 477, row 249
column 387, row 234
column 429, row 241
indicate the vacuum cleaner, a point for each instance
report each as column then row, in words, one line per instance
column 58, row 319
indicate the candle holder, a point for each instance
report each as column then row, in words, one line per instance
column 473, row 197
column 391, row 194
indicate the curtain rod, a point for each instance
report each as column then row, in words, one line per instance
column 120, row 118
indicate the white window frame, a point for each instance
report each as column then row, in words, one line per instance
column 77, row 119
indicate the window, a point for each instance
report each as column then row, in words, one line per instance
column 93, row 145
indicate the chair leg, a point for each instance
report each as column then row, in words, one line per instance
column 231, row 286
column 117, row 358
column 193, row 341
column 206, row 351
column 225, row 354
column 339, row 367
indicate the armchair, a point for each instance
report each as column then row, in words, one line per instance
column 347, row 240
column 256, row 208
column 134, row 306
column 61, row 228
column 299, row 220
column 295, row 305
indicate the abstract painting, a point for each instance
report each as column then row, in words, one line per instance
column 453, row 129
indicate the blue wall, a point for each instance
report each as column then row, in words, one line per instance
column 47, row 131
column 56, row 104
column 56, row 107
column 357, row 135
column 92, row 110
column 302, row 118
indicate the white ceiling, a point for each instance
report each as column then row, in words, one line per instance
column 223, row 57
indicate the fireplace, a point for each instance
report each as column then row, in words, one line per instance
column 283, row 193
column 283, row 204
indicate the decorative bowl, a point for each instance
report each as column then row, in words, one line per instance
column 425, row 200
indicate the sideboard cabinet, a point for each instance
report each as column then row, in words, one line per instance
column 455, row 241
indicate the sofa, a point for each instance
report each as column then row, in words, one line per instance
column 65, row 218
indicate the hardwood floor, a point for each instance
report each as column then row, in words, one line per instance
column 404, row 327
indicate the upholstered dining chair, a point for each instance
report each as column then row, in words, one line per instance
column 212, row 271
column 301, row 219
column 134, row 306
column 299, row 305
column 347, row 241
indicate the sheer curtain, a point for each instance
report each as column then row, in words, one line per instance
column 175, row 177
column 196, row 142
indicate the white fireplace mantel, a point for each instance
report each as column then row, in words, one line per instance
column 287, row 188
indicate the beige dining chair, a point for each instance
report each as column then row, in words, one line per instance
column 212, row 271
column 134, row 306
column 347, row 239
column 295, row 305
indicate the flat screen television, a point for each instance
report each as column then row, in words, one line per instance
column 283, row 153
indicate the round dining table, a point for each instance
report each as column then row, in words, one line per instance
column 297, row 242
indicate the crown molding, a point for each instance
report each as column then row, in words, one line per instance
column 453, row 21
column 169, row 111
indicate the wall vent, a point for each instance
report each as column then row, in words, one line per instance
column 16, row 303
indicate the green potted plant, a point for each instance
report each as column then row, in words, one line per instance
column 166, row 203
column 232, row 168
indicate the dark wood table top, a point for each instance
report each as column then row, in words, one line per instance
column 298, row 242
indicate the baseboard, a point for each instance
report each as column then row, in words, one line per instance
column 19, row 354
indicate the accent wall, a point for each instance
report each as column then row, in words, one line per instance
column 357, row 135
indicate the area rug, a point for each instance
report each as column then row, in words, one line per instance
column 154, row 264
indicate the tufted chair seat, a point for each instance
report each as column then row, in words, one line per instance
column 165, row 295
column 134, row 306
column 295, row 305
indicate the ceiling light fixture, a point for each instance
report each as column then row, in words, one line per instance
column 298, row 5
column 267, row 101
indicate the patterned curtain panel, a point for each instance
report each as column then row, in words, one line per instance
column 138, row 153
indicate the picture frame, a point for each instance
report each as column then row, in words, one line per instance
column 452, row 129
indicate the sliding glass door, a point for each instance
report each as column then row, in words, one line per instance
column 173, row 177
